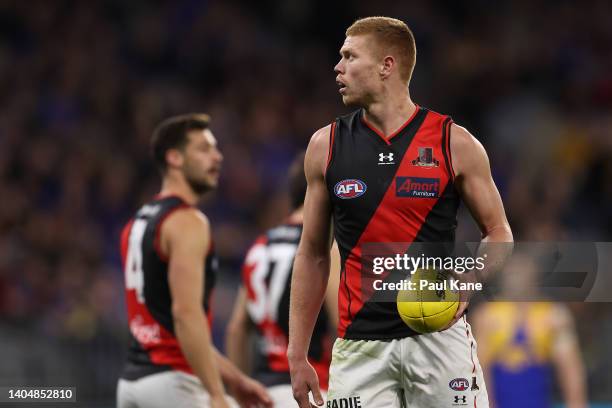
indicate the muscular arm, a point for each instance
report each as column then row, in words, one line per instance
column 185, row 236
column 310, row 271
column 238, row 334
column 311, row 265
column 567, row 360
column 480, row 195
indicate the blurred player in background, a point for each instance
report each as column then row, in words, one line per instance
column 521, row 343
column 263, row 304
column 367, row 173
column 169, row 268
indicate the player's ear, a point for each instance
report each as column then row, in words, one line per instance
column 386, row 67
column 174, row 158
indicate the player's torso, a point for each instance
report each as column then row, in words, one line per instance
column 266, row 276
column 153, row 345
column 397, row 189
column 521, row 347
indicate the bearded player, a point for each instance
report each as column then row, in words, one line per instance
column 391, row 171
column 169, row 270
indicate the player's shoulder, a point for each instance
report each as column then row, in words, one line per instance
column 468, row 154
column 317, row 151
column 560, row 315
column 187, row 220
column 320, row 138
column 462, row 137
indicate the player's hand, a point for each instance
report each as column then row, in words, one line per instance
column 464, row 295
column 304, row 380
column 218, row 401
column 250, row 393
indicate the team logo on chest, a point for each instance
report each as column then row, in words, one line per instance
column 425, row 158
column 417, row 187
column 350, row 188
column 386, row 158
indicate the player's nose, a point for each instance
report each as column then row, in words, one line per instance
column 339, row 68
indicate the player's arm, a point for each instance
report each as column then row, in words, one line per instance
column 480, row 195
column 331, row 294
column 567, row 360
column 310, row 271
column 185, row 236
column 238, row 333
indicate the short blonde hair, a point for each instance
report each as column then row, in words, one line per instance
column 392, row 35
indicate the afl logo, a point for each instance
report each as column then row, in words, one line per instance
column 350, row 188
column 459, row 384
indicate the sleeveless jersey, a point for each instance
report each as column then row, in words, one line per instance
column 153, row 344
column 398, row 189
column 520, row 351
column 266, row 275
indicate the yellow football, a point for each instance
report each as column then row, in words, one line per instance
column 430, row 304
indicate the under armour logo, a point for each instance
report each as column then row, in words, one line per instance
column 385, row 158
column 460, row 398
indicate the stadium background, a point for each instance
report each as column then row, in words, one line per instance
column 82, row 84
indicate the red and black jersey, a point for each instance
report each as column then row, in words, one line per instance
column 153, row 344
column 382, row 190
column 266, row 276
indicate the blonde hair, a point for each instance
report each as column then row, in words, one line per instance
column 391, row 35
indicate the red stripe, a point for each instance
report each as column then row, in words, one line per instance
column 386, row 139
column 331, row 143
column 405, row 215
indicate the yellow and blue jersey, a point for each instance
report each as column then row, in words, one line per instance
column 519, row 351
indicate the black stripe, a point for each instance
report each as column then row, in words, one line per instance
column 445, row 128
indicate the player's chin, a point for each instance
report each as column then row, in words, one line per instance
column 347, row 100
column 212, row 182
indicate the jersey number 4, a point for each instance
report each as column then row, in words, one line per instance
column 134, row 275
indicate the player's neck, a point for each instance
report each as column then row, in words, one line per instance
column 390, row 112
column 178, row 187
